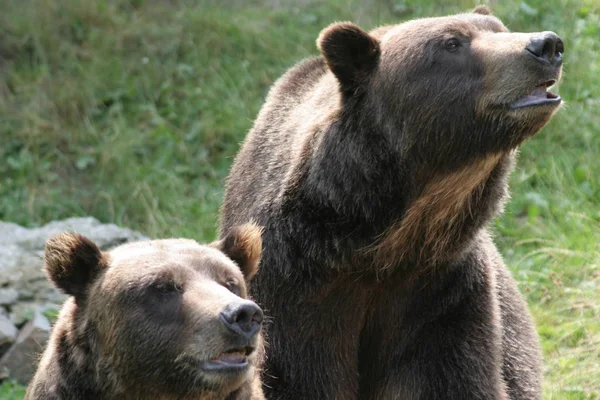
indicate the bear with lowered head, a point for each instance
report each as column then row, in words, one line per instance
column 376, row 169
column 161, row 319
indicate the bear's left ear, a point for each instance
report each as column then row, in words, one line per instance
column 243, row 244
column 351, row 53
column 483, row 10
column 73, row 262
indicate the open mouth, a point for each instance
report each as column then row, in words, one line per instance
column 537, row 97
column 234, row 359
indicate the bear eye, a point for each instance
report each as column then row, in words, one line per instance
column 167, row 287
column 232, row 286
column 452, row 44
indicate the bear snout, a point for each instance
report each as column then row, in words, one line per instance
column 546, row 47
column 244, row 319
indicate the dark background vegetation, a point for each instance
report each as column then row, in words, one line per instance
column 132, row 111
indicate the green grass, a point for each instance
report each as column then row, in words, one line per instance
column 10, row 390
column 131, row 111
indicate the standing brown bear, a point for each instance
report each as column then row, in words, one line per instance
column 163, row 319
column 375, row 170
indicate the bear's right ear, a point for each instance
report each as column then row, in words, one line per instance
column 73, row 262
column 243, row 244
column 483, row 10
column 350, row 53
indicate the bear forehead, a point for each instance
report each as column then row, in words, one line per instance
column 174, row 254
column 462, row 24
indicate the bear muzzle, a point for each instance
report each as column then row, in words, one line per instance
column 545, row 49
column 242, row 322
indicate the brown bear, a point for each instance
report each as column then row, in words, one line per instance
column 375, row 170
column 162, row 319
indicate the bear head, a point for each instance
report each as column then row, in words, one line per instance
column 446, row 89
column 165, row 317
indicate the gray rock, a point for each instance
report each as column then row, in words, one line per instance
column 105, row 235
column 8, row 295
column 10, row 231
column 21, row 358
column 22, row 249
column 23, row 311
column 8, row 332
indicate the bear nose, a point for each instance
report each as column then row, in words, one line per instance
column 243, row 318
column 546, row 46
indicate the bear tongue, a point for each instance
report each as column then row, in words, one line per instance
column 235, row 357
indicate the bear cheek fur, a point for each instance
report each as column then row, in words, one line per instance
column 413, row 71
column 130, row 332
column 178, row 334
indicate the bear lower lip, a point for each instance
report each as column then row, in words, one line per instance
column 222, row 365
column 236, row 357
column 537, row 97
column 230, row 360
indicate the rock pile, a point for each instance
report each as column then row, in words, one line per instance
column 27, row 299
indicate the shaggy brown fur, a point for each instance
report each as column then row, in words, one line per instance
column 153, row 320
column 375, row 170
column 433, row 221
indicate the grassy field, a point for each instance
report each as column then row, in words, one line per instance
column 131, row 111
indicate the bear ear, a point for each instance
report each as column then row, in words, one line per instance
column 350, row 53
column 73, row 262
column 483, row 10
column 243, row 244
